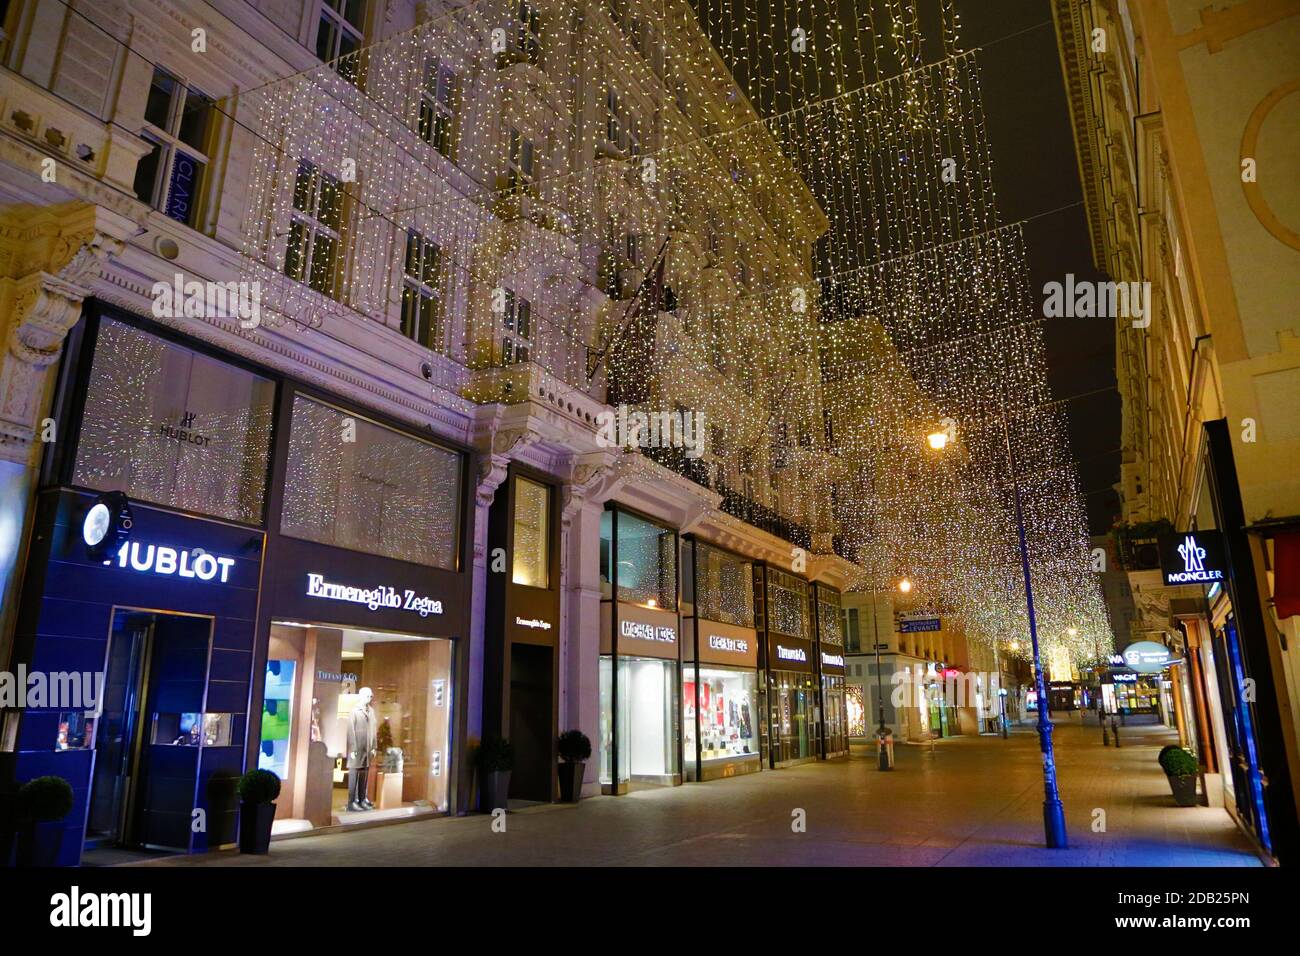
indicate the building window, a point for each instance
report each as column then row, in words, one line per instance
column 438, row 107
column 517, row 322
column 620, row 129
column 527, row 36
column 176, row 122
column 422, row 291
column 313, row 250
column 339, row 35
column 521, row 163
column 531, row 544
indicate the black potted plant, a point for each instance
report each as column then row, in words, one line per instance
column 574, row 747
column 1180, row 767
column 39, row 808
column 257, row 792
column 494, row 759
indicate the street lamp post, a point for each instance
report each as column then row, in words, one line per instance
column 882, row 732
column 1053, row 811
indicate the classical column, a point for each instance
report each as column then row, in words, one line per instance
column 43, row 305
column 583, row 503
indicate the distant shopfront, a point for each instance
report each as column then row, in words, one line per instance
column 833, row 731
column 793, row 696
column 720, row 690
column 640, row 654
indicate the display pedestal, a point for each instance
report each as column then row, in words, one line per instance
column 389, row 791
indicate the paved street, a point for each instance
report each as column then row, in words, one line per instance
column 973, row 801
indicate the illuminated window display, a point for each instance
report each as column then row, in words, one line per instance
column 647, row 731
column 728, row 712
column 855, row 710
column 356, row 723
column 725, row 586
column 787, row 605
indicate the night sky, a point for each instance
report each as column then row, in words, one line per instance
column 1036, row 171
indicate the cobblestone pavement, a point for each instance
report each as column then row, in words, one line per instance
column 972, row 801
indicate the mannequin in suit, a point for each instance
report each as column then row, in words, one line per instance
column 362, row 731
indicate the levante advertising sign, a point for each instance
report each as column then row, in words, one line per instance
column 1192, row 557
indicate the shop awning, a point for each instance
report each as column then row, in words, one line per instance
column 1286, row 573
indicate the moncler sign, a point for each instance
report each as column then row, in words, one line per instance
column 1192, row 557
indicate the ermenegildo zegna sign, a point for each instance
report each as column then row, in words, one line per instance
column 329, row 585
column 1192, row 557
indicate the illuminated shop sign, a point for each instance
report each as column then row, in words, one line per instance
column 835, row 660
column 736, row 645
column 1147, row 657
column 912, row 625
column 167, row 561
column 533, row 622
column 373, row 598
column 1193, row 557
column 648, row 632
column 784, row 653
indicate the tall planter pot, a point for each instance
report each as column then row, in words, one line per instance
column 1184, row 790
column 494, row 791
column 39, row 844
column 255, row 820
column 571, row 773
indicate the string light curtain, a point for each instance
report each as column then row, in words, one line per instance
column 779, row 216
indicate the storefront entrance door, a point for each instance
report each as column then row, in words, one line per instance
column 153, row 698
column 530, row 722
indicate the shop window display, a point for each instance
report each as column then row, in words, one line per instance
column 356, row 723
column 834, row 716
column 728, row 713
column 787, row 598
column 855, row 710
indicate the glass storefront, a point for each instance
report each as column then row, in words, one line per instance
column 793, row 699
column 728, row 713
column 855, row 710
column 356, row 724
column 640, row 734
column 835, row 714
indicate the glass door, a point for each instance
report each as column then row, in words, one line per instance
column 117, row 734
